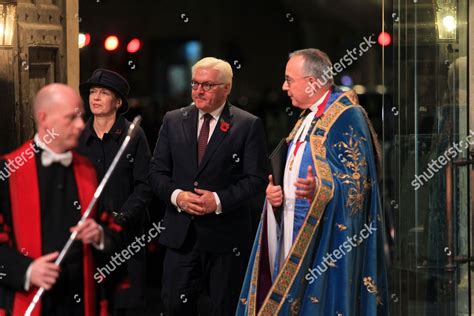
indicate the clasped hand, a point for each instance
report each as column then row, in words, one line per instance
column 199, row 202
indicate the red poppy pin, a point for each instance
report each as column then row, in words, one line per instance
column 224, row 126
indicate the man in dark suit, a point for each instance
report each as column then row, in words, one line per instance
column 209, row 160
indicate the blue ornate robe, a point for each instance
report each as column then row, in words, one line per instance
column 336, row 264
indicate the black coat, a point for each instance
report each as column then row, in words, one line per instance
column 234, row 166
column 127, row 193
column 58, row 199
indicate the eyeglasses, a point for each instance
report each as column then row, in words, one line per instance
column 206, row 86
column 289, row 81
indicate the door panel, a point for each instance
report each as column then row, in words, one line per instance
column 426, row 169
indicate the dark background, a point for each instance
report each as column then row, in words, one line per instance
column 255, row 37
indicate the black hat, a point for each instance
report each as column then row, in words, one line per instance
column 107, row 79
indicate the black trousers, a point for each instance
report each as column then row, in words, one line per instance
column 129, row 312
column 191, row 271
column 63, row 307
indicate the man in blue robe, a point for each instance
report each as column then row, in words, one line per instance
column 325, row 256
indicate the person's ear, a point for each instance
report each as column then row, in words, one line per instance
column 118, row 104
column 41, row 118
column 312, row 80
column 312, row 84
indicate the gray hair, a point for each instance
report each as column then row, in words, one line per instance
column 224, row 68
column 316, row 64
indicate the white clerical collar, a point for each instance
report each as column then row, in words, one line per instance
column 304, row 128
column 314, row 107
column 48, row 156
column 215, row 114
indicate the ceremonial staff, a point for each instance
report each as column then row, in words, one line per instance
column 131, row 130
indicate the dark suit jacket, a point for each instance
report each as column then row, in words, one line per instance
column 234, row 166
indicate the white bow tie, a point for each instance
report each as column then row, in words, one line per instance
column 47, row 158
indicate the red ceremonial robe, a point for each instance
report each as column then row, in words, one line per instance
column 26, row 215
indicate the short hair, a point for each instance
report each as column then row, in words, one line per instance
column 53, row 94
column 316, row 63
column 224, row 68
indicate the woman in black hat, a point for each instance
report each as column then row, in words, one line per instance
column 127, row 194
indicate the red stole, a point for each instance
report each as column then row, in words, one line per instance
column 322, row 106
column 26, row 215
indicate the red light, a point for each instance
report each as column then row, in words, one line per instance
column 88, row 39
column 384, row 39
column 111, row 43
column 134, row 46
column 84, row 39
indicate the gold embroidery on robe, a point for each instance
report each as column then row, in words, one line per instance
column 314, row 300
column 354, row 161
column 324, row 194
column 341, row 227
column 372, row 289
column 295, row 307
column 332, row 264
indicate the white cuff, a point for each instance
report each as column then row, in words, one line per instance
column 28, row 277
column 174, row 197
column 101, row 245
column 218, row 203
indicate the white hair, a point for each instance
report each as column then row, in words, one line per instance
column 224, row 68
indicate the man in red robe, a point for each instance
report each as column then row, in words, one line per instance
column 44, row 189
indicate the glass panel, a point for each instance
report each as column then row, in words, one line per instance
column 2, row 23
column 425, row 131
column 7, row 23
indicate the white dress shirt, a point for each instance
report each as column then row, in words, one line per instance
column 212, row 126
column 48, row 156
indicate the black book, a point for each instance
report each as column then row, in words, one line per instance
column 278, row 162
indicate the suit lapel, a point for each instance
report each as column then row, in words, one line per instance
column 190, row 118
column 217, row 136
